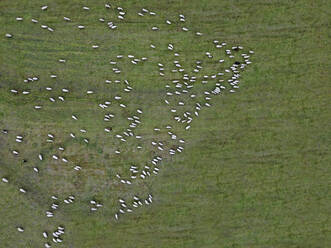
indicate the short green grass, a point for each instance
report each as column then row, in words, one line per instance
column 256, row 167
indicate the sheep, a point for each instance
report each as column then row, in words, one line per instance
column 183, row 85
column 5, row 180
column 45, row 235
column 22, row 190
column 49, row 214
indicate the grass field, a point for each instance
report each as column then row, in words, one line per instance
column 255, row 171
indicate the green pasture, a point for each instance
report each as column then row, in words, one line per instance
column 255, row 172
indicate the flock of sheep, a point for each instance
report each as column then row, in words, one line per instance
column 185, row 96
